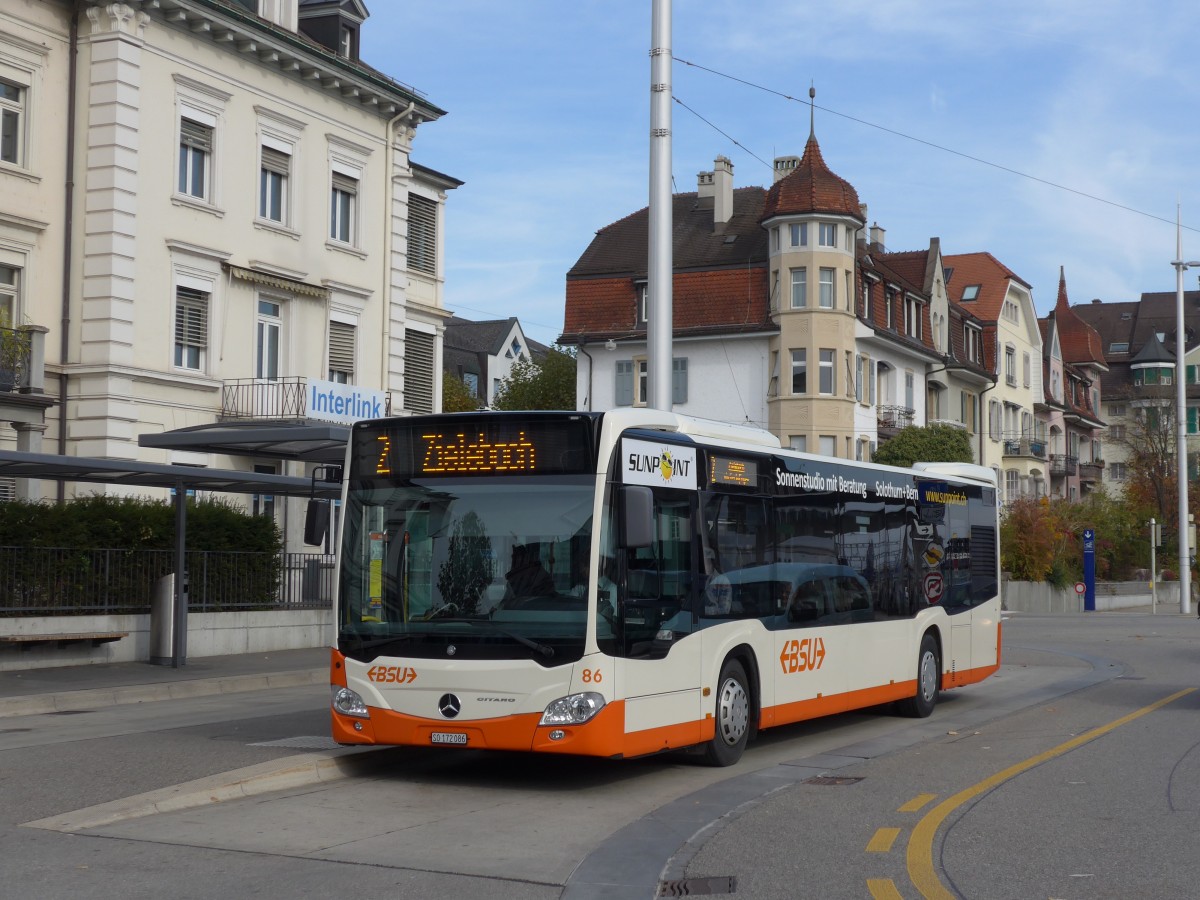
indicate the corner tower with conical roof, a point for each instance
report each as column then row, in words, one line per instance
column 813, row 219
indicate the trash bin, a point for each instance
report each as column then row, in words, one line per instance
column 162, row 622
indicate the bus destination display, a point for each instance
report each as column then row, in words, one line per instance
column 741, row 472
column 467, row 447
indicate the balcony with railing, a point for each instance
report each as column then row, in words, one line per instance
column 1062, row 464
column 260, row 398
column 1091, row 472
column 1024, row 446
column 890, row 419
column 23, row 359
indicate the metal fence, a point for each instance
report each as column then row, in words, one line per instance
column 46, row 581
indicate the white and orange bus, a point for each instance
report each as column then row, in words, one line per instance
column 618, row 584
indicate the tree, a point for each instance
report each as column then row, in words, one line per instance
column 457, row 395
column 1152, row 466
column 1032, row 536
column 932, row 443
column 549, row 384
column 1042, row 539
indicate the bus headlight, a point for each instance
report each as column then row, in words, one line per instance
column 574, row 709
column 348, row 703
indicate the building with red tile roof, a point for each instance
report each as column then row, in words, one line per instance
column 1069, row 425
column 1002, row 302
column 789, row 313
column 1138, row 341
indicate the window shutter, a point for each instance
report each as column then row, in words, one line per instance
column 276, row 161
column 341, row 347
column 191, row 318
column 193, row 134
column 679, row 380
column 418, row 371
column 345, row 183
column 422, row 234
column 624, row 384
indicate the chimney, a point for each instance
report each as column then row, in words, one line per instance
column 785, row 166
column 704, row 184
column 722, row 190
column 877, row 237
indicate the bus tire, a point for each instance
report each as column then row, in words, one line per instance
column 732, row 716
column 921, row 704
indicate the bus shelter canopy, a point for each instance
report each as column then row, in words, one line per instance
column 18, row 464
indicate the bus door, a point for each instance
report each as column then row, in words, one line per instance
column 812, row 649
column 660, row 669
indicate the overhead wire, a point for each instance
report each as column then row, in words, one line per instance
column 909, row 137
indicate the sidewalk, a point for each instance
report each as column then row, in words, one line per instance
column 39, row 691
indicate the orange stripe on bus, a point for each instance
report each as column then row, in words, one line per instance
column 800, row 710
column 604, row 735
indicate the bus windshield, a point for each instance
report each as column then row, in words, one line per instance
column 475, row 568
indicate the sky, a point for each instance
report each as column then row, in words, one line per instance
column 1050, row 135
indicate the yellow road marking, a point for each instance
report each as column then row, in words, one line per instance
column 883, row 889
column 920, row 846
column 917, row 802
column 883, row 840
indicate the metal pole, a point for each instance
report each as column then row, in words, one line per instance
column 661, row 259
column 179, row 634
column 1185, row 561
column 1153, row 564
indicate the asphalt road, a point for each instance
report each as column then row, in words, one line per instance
column 1072, row 773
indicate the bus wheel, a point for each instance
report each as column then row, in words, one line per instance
column 732, row 715
column 922, row 703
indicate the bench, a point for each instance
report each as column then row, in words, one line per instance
column 26, row 641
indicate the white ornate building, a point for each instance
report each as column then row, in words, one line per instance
column 210, row 206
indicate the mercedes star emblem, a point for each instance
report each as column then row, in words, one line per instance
column 449, row 705
column 451, row 650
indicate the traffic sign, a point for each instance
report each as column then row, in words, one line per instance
column 1080, row 587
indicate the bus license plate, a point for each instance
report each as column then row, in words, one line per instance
column 447, row 737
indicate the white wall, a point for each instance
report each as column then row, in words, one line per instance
column 727, row 377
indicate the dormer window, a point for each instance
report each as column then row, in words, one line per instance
column 334, row 24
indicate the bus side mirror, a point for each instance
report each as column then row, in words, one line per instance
column 316, row 522
column 637, row 516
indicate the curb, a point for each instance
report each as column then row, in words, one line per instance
column 291, row 772
column 98, row 698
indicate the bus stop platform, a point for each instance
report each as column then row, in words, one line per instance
column 39, row 691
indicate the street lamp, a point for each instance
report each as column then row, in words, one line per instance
column 1185, row 559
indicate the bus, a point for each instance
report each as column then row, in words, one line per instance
column 624, row 583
